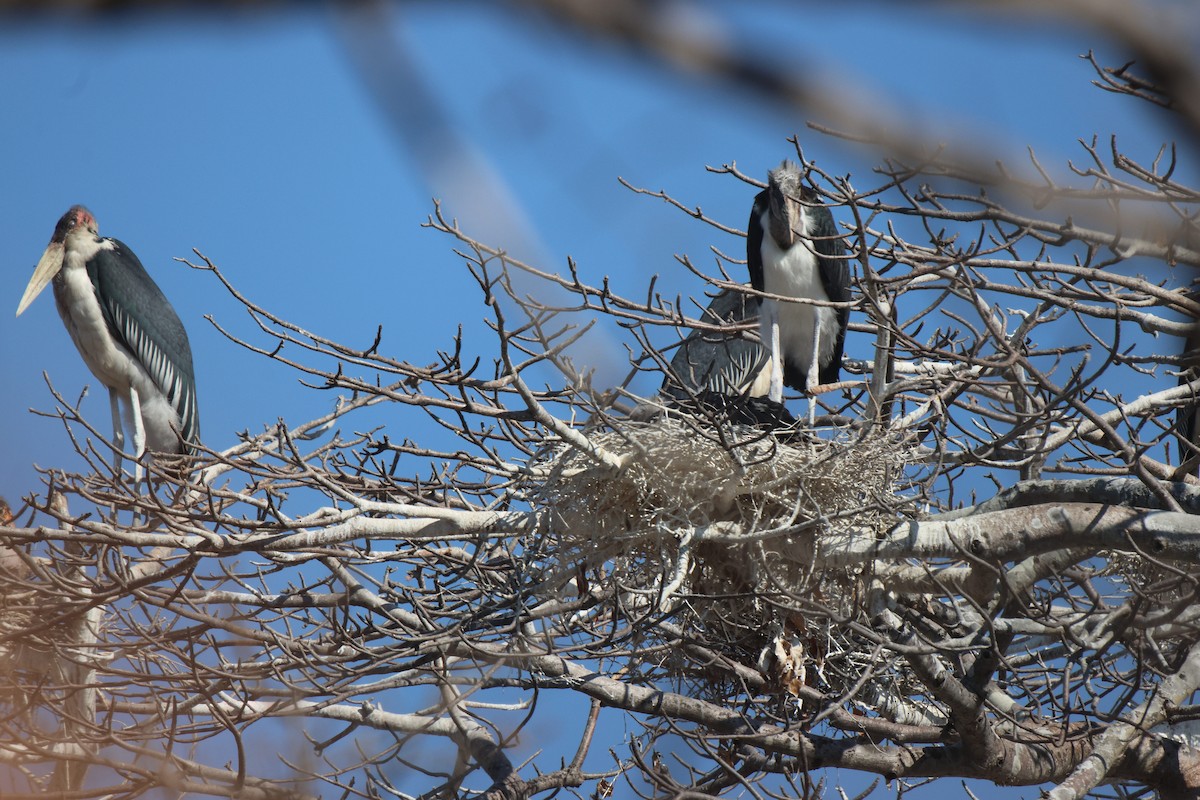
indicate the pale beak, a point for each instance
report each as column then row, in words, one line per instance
column 47, row 267
column 795, row 220
column 784, row 219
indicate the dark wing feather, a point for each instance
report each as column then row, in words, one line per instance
column 754, row 240
column 141, row 319
column 835, row 279
column 717, row 363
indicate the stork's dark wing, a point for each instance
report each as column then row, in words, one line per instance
column 718, row 363
column 140, row 317
column 835, row 279
column 754, row 240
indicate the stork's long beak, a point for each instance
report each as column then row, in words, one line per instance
column 785, row 218
column 47, row 267
column 795, row 220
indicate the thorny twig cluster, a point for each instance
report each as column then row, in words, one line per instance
column 340, row 601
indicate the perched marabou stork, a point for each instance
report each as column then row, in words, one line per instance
column 793, row 250
column 128, row 334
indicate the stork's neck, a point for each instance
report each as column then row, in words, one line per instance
column 81, row 247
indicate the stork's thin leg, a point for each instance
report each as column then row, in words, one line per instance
column 118, row 430
column 771, row 309
column 814, row 368
column 139, row 433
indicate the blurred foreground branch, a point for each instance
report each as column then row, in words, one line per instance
column 983, row 564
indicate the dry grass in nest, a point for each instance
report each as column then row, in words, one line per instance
column 646, row 526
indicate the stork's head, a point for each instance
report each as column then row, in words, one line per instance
column 76, row 222
column 785, row 188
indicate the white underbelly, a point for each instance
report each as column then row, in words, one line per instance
column 81, row 314
column 795, row 273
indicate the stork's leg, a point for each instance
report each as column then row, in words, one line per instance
column 771, row 311
column 114, row 401
column 139, row 433
column 814, row 369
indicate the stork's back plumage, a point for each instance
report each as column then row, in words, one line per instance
column 711, row 361
column 724, row 374
column 144, row 322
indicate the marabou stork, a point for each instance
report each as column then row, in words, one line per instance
column 128, row 334
column 717, row 370
column 793, row 250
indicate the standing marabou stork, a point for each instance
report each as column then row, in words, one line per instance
column 793, row 250
column 128, row 334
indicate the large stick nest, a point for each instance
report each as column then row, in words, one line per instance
column 771, row 496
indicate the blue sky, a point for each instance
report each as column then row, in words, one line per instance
column 253, row 139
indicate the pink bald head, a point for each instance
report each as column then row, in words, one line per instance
column 76, row 218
